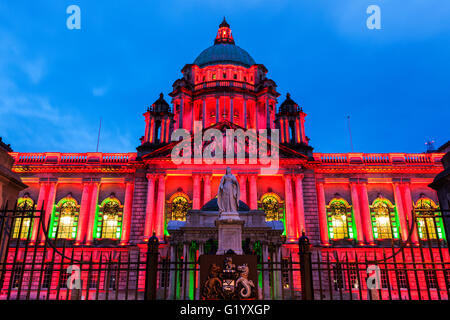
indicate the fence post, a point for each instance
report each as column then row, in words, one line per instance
column 151, row 270
column 304, row 248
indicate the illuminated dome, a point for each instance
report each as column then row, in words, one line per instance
column 224, row 51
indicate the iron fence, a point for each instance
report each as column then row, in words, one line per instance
column 36, row 267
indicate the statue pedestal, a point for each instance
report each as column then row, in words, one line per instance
column 230, row 232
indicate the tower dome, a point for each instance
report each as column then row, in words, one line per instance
column 224, row 50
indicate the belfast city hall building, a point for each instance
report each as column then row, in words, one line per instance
column 350, row 208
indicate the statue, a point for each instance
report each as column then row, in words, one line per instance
column 229, row 193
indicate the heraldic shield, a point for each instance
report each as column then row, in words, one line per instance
column 228, row 277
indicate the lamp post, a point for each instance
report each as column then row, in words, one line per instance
column 304, row 248
column 151, row 267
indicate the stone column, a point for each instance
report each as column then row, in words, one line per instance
column 401, row 214
column 253, row 193
column 196, row 192
column 365, row 214
column 322, row 214
column 168, row 127
column 92, row 212
column 180, row 116
column 204, row 112
column 409, row 211
column 49, row 208
column 243, row 186
column 266, row 283
column 245, row 113
column 301, row 226
column 150, row 206
column 43, row 190
column 278, row 275
column 197, row 291
column 217, row 110
column 127, row 208
column 206, row 188
column 162, row 133
column 256, row 115
column 231, row 110
column 186, row 273
column 159, row 216
column 172, row 284
column 83, row 219
column 357, row 212
column 291, row 221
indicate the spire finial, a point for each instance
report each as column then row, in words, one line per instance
column 224, row 34
column 224, row 23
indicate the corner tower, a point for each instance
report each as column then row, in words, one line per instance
column 158, row 126
column 290, row 120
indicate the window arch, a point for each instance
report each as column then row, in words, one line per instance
column 340, row 220
column 273, row 206
column 178, row 206
column 64, row 222
column 429, row 223
column 108, row 223
column 384, row 219
column 23, row 223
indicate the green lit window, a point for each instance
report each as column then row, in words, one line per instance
column 384, row 219
column 64, row 223
column 23, row 222
column 109, row 219
column 429, row 222
column 340, row 220
column 272, row 205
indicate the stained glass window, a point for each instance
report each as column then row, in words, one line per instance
column 384, row 219
column 272, row 205
column 340, row 220
column 65, row 219
column 109, row 219
column 23, row 221
column 180, row 205
column 429, row 224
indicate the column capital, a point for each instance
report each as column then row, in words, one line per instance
column 48, row 180
column 299, row 176
column 150, row 176
column 206, row 176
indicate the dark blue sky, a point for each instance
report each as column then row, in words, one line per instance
column 56, row 83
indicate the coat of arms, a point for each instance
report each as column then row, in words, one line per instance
column 228, row 282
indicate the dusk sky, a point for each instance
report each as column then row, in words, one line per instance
column 56, row 83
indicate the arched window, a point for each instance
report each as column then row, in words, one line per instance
column 108, row 224
column 429, row 222
column 178, row 206
column 340, row 220
column 64, row 223
column 273, row 206
column 23, row 222
column 384, row 219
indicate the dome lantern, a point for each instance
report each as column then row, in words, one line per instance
column 224, row 33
